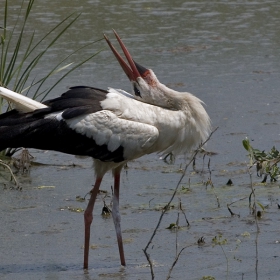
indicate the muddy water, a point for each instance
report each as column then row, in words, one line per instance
column 227, row 54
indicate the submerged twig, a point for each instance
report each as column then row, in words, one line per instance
column 150, row 202
column 174, row 263
column 180, row 207
column 193, row 165
column 217, row 240
column 229, row 209
column 171, row 158
column 150, row 263
column 209, row 182
column 171, row 199
column 106, row 211
column 176, row 229
column 226, row 260
column 231, row 213
column 256, row 221
column 203, row 159
column 177, row 255
column 11, row 172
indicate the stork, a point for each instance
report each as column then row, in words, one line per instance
column 111, row 126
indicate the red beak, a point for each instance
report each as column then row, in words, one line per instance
column 135, row 70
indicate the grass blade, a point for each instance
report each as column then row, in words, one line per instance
column 71, row 70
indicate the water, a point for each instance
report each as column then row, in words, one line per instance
column 226, row 53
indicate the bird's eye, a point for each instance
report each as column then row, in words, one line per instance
column 136, row 91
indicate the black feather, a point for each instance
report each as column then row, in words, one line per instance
column 33, row 130
column 77, row 97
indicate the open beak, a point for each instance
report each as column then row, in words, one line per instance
column 133, row 70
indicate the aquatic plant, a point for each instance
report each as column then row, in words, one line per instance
column 266, row 162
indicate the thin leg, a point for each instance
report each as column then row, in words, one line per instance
column 117, row 217
column 88, row 217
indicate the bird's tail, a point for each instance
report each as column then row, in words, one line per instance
column 20, row 102
column 15, row 125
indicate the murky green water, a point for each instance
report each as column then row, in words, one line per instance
column 227, row 54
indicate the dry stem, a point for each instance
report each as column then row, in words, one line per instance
column 168, row 204
column 11, row 172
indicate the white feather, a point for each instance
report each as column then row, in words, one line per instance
column 121, row 92
column 20, row 102
column 179, row 130
column 108, row 129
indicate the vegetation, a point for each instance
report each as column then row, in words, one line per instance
column 266, row 162
column 21, row 54
column 20, row 58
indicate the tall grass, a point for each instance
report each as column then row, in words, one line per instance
column 19, row 61
column 21, row 54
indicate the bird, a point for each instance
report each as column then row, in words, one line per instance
column 112, row 126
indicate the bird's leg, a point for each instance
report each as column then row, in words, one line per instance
column 117, row 217
column 88, row 217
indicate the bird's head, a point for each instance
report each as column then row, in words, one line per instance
column 145, row 85
column 147, row 88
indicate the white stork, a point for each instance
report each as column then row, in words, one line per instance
column 111, row 126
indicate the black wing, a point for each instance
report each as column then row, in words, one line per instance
column 35, row 130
